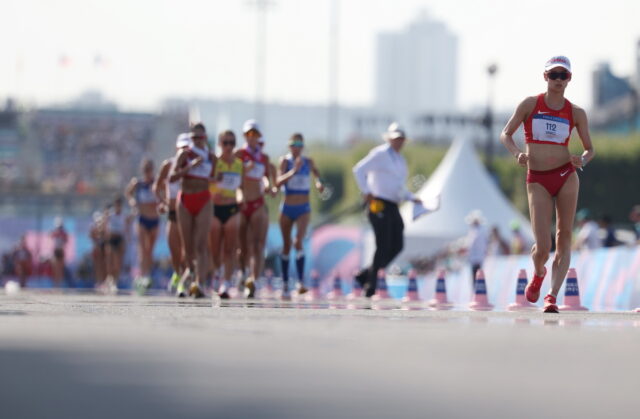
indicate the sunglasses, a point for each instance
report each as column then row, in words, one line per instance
column 562, row 75
column 296, row 144
column 198, row 137
column 226, row 143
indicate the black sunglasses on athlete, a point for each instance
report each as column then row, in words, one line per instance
column 562, row 75
column 225, row 143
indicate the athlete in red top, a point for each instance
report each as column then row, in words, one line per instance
column 254, row 222
column 548, row 121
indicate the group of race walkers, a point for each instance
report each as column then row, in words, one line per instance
column 217, row 218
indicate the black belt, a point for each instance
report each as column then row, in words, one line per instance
column 386, row 201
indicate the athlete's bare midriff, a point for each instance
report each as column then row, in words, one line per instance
column 149, row 210
column 547, row 156
column 252, row 189
column 296, row 199
column 194, row 185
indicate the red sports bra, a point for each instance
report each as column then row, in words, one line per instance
column 548, row 126
column 259, row 168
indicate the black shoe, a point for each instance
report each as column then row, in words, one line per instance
column 370, row 292
column 362, row 277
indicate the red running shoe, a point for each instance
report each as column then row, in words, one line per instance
column 532, row 291
column 550, row 304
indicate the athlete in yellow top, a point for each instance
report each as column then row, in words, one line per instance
column 226, row 221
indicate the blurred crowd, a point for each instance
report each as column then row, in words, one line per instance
column 85, row 153
column 483, row 240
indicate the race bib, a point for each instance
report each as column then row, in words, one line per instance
column 229, row 181
column 257, row 172
column 550, row 128
column 299, row 182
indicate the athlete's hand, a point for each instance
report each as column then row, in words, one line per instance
column 298, row 164
column 320, row 187
column 163, row 208
column 523, row 159
column 273, row 191
column 576, row 161
column 367, row 198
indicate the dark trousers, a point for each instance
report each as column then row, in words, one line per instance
column 388, row 228
column 474, row 270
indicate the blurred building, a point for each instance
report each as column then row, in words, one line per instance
column 416, row 69
column 9, row 145
column 615, row 99
column 609, row 88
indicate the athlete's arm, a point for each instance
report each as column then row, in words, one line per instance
column 316, row 174
column 582, row 125
column 214, row 163
column 270, row 175
column 519, row 116
column 283, row 176
column 128, row 192
column 160, row 184
column 177, row 171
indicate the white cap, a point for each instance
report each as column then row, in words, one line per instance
column 394, row 131
column 249, row 125
column 558, row 61
column 184, row 140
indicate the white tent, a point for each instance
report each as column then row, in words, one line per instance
column 464, row 185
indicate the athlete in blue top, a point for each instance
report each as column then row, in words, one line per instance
column 294, row 173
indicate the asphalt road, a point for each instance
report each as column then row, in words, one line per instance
column 95, row 356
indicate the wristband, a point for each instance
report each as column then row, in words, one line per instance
column 584, row 162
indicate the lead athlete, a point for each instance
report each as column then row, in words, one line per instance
column 552, row 181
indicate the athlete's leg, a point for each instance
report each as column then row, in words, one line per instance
column 175, row 246
column 143, row 239
column 215, row 241
column 566, row 202
column 185, row 224
column 150, row 243
column 540, row 212
column 244, row 258
column 259, row 224
column 301, row 231
column 286, row 225
column 230, row 246
column 118, row 258
column 202, row 226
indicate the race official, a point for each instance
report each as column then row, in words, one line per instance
column 381, row 177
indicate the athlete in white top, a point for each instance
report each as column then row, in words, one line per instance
column 167, row 193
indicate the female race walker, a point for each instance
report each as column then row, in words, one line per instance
column 255, row 219
column 226, row 211
column 167, row 193
column 548, row 121
column 194, row 165
column 294, row 173
column 140, row 196
column 115, row 231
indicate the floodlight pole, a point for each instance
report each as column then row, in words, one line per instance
column 262, row 7
column 488, row 119
column 334, row 59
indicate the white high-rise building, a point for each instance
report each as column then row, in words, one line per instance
column 416, row 69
